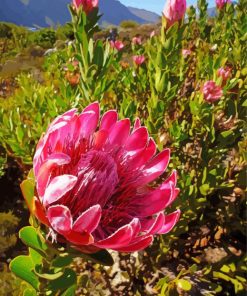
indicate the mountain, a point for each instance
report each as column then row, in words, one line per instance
column 148, row 16
column 45, row 13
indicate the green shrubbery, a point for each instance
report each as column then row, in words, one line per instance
column 206, row 251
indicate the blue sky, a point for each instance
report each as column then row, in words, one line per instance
column 156, row 5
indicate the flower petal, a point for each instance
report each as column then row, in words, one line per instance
column 170, row 222
column 44, row 173
column 58, row 187
column 88, row 220
column 156, row 166
column 137, row 140
column 60, row 218
column 137, row 124
column 138, row 245
column 79, row 239
column 119, row 238
column 120, row 132
column 108, row 120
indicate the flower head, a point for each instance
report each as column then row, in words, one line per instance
column 186, row 52
column 221, row 3
column 152, row 34
column 118, row 45
column 137, row 40
column 225, row 73
column 92, row 182
column 139, row 59
column 211, row 91
column 174, row 11
column 87, row 5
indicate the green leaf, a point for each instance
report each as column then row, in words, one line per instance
column 204, row 189
column 48, row 276
column 102, row 257
column 29, row 292
column 67, row 280
column 62, row 260
column 22, row 267
column 70, row 291
column 184, row 285
column 32, row 239
column 27, row 189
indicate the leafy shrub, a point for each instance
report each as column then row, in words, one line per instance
column 128, row 24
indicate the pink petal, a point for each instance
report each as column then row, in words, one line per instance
column 172, row 177
column 100, row 139
column 139, row 245
column 58, row 187
column 93, row 107
column 137, row 124
column 89, row 220
column 120, row 238
column 137, row 140
column 67, row 116
column 143, row 156
column 136, row 227
column 46, row 168
column 157, row 224
column 79, row 239
column 88, row 122
column 108, row 120
column 170, row 221
column 120, row 132
column 156, row 166
column 60, row 218
column 154, row 201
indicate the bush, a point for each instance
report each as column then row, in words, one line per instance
column 128, row 24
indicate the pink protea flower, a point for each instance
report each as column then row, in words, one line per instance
column 152, row 34
column 118, row 45
column 211, row 91
column 186, row 52
column 225, row 73
column 92, row 182
column 87, row 5
column 139, row 59
column 174, row 11
column 137, row 40
column 221, row 3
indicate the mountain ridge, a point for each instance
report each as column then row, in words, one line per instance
column 45, row 13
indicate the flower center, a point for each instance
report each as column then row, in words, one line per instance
column 97, row 180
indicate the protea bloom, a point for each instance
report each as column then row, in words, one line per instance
column 221, row 3
column 118, row 45
column 139, row 59
column 137, row 40
column 87, row 5
column 174, row 11
column 211, row 91
column 93, row 182
column 225, row 73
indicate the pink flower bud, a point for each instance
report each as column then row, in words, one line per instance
column 152, row 34
column 138, row 60
column 92, row 182
column 118, row 45
column 87, row 5
column 211, row 91
column 137, row 40
column 174, row 11
column 225, row 73
column 221, row 3
column 186, row 52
